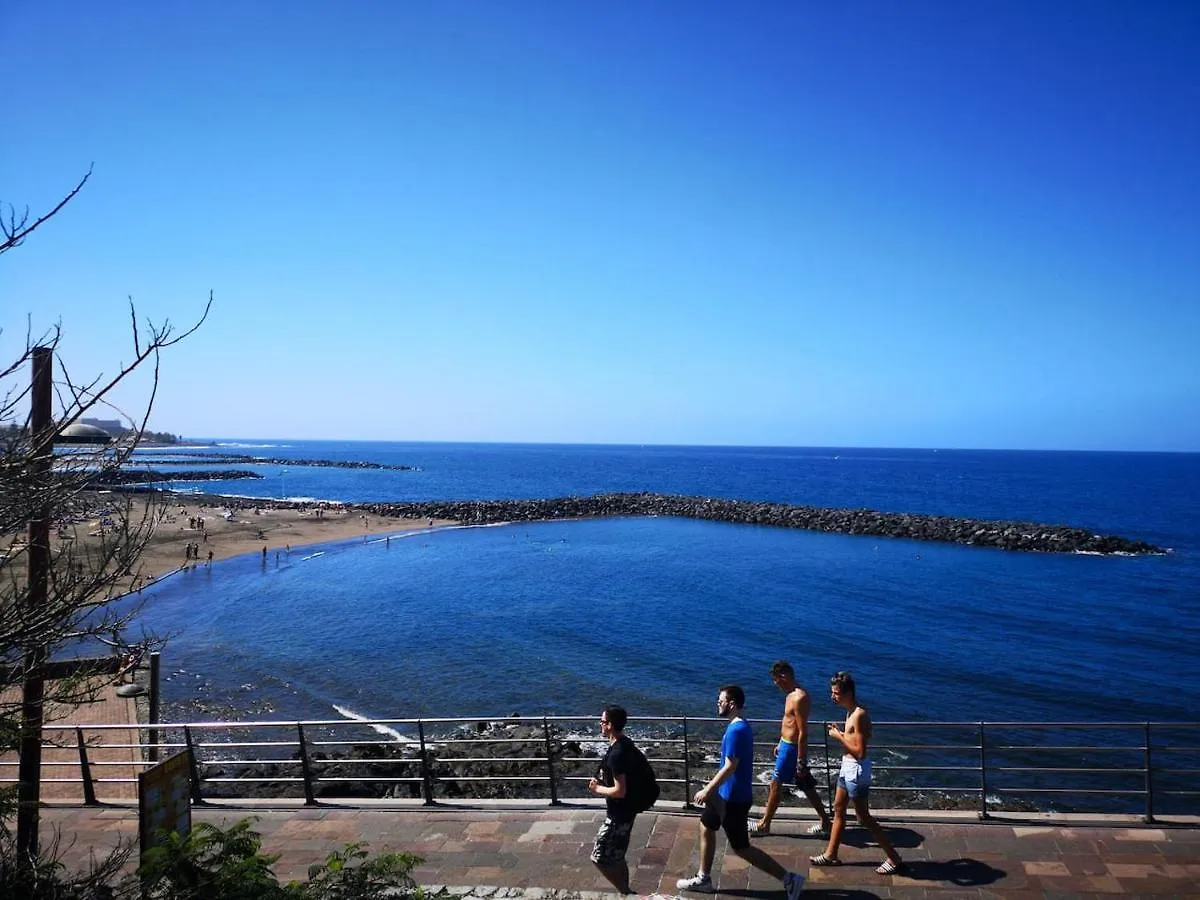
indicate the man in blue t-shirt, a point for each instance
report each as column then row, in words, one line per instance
column 726, row 800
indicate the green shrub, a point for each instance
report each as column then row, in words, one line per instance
column 212, row 863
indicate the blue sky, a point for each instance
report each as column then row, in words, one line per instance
column 894, row 224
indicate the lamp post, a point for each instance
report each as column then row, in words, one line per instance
column 282, row 484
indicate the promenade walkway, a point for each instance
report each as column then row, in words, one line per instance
column 537, row 853
column 115, row 767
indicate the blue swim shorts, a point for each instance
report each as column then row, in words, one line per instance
column 785, row 763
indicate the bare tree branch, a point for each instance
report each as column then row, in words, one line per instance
column 14, row 231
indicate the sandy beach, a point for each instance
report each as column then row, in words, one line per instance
column 226, row 531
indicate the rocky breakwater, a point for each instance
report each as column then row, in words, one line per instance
column 1022, row 536
column 204, row 459
column 150, row 476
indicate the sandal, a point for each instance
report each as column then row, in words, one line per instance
column 822, row 860
column 889, row 867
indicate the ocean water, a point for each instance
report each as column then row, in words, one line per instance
column 655, row 613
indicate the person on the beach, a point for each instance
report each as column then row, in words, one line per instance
column 791, row 756
column 612, row 840
column 726, row 800
column 854, row 780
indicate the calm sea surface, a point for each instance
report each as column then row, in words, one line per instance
column 655, row 613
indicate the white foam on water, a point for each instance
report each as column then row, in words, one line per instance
column 312, row 555
column 382, row 729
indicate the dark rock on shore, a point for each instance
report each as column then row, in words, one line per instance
column 1025, row 536
column 462, row 768
column 148, row 476
column 205, row 459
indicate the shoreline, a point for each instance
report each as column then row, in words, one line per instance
column 229, row 527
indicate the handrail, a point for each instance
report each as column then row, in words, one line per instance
column 989, row 762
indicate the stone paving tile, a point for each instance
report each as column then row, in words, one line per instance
column 514, row 850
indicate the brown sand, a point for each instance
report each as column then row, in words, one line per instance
column 249, row 530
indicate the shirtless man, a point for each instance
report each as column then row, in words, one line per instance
column 854, row 780
column 791, row 756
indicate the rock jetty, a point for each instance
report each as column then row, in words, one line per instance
column 1021, row 536
column 207, row 459
column 149, row 476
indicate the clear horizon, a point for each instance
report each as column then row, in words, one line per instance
column 925, row 225
column 251, row 441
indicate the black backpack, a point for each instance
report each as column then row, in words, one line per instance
column 641, row 787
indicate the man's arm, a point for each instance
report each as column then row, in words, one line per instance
column 730, row 766
column 616, row 791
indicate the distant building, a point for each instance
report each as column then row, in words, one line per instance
column 112, row 426
column 83, row 433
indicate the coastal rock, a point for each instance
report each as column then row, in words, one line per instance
column 1017, row 536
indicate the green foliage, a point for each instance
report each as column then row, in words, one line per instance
column 46, row 878
column 212, row 863
column 349, row 874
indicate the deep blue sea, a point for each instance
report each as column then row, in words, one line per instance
column 656, row 613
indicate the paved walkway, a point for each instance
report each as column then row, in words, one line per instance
column 114, row 770
column 541, row 853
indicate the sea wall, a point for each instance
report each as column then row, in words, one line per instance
column 1022, row 536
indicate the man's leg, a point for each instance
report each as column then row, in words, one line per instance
column 617, row 875
column 737, row 833
column 784, row 773
column 710, row 821
column 819, row 805
column 608, row 853
column 708, row 849
column 764, row 824
column 806, row 782
column 873, row 827
column 840, row 801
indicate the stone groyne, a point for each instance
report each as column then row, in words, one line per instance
column 207, row 459
column 150, row 476
column 1021, row 536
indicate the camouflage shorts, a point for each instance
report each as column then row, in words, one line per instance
column 612, row 840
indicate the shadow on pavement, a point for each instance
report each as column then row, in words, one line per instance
column 902, row 838
column 832, row 892
column 959, row 872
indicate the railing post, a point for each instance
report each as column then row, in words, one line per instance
column 152, row 735
column 305, row 769
column 554, row 801
column 983, row 813
column 687, row 769
column 1149, row 781
column 426, row 775
column 829, row 791
column 193, row 765
column 85, row 770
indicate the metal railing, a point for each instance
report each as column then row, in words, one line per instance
column 981, row 766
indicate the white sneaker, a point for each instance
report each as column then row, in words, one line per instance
column 793, row 883
column 817, row 830
column 701, row 884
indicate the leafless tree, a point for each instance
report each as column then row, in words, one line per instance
column 91, row 566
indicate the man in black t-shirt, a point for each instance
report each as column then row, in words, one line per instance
column 611, row 783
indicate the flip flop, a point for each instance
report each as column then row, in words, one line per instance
column 889, row 867
column 822, row 860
